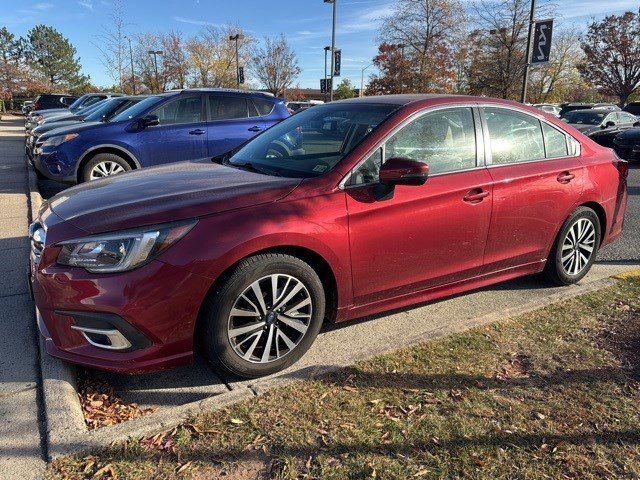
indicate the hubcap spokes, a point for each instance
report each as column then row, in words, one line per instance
column 578, row 246
column 270, row 318
column 106, row 169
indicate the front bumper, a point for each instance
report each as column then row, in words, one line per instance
column 53, row 165
column 154, row 308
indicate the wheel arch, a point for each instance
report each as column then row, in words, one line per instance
column 129, row 157
column 602, row 216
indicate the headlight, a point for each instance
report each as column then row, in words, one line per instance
column 121, row 251
column 59, row 140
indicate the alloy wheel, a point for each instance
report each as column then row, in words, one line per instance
column 578, row 246
column 270, row 318
column 105, row 169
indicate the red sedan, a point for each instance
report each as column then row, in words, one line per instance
column 341, row 211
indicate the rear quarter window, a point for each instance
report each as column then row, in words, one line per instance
column 264, row 107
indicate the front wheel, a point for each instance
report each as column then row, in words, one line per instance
column 575, row 248
column 104, row 165
column 264, row 316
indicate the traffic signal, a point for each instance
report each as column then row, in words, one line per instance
column 240, row 75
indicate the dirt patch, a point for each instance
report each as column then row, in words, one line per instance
column 621, row 337
column 101, row 405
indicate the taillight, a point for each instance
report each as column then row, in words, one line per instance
column 36, row 106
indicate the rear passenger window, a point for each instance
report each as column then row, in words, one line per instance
column 228, row 108
column 555, row 142
column 184, row 110
column 264, row 106
column 514, row 136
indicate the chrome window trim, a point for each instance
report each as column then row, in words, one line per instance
column 414, row 116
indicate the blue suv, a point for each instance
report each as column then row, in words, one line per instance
column 171, row 127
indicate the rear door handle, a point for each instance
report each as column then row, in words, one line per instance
column 476, row 195
column 566, row 177
column 255, row 128
column 198, row 131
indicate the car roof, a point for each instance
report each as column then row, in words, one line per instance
column 235, row 91
column 403, row 100
column 594, row 110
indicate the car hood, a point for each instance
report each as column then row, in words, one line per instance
column 163, row 194
column 60, row 118
column 633, row 134
column 586, row 129
column 50, row 112
column 63, row 129
column 47, row 127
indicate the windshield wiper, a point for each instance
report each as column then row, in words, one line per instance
column 250, row 167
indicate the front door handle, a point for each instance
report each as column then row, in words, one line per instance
column 255, row 128
column 476, row 195
column 566, row 177
column 198, row 131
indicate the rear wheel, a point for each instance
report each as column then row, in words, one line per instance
column 104, row 165
column 264, row 316
column 575, row 248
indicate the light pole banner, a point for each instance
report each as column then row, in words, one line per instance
column 542, row 42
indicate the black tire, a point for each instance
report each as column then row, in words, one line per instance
column 554, row 269
column 214, row 320
column 99, row 158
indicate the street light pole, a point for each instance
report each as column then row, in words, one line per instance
column 402, row 46
column 527, row 65
column 155, row 54
column 362, row 79
column 333, row 43
column 237, row 37
column 326, row 49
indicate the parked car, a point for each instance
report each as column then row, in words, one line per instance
column 102, row 111
column 26, row 106
column 632, row 108
column 81, row 103
column 549, row 108
column 627, row 144
column 295, row 107
column 601, row 125
column 422, row 197
column 175, row 126
column 51, row 101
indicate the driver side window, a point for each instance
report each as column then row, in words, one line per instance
column 444, row 139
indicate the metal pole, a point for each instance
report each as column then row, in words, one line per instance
column 525, row 79
column 333, row 46
column 326, row 49
column 362, row 80
column 155, row 63
column 133, row 74
column 237, row 64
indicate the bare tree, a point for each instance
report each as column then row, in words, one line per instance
column 429, row 30
column 111, row 42
column 145, row 66
column 275, row 64
column 612, row 55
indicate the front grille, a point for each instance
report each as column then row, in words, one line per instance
column 37, row 235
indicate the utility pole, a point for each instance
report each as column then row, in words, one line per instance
column 333, row 43
column 237, row 37
column 525, row 79
column 133, row 73
column 326, row 50
column 155, row 54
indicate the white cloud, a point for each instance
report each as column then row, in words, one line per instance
column 192, row 21
column 86, row 4
column 43, row 6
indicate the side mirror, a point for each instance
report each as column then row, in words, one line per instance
column 636, row 124
column 400, row 171
column 609, row 124
column 404, row 171
column 150, row 121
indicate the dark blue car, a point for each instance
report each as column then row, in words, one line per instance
column 172, row 127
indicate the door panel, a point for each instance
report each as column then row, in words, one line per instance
column 532, row 196
column 422, row 237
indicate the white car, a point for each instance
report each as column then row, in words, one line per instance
column 549, row 108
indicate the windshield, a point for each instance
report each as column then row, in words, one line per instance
column 136, row 109
column 102, row 109
column 78, row 102
column 312, row 142
column 581, row 117
column 89, row 110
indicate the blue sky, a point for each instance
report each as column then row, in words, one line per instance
column 306, row 23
